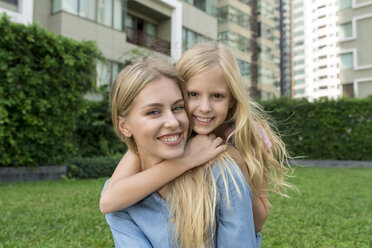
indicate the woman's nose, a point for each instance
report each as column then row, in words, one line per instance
column 171, row 121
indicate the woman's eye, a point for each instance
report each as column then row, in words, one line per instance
column 153, row 112
column 179, row 108
column 192, row 94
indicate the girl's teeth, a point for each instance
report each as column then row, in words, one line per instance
column 204, row 119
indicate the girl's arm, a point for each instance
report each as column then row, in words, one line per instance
column 260, row 204
column 129, row 184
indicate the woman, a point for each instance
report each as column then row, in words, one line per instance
column 205, row 207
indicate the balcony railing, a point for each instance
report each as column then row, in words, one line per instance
column 140, row 38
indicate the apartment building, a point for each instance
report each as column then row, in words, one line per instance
column 315, row 50
column 166, row 28
column 286, row 48
column 355, row 22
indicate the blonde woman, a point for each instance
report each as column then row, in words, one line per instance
column 207, row 206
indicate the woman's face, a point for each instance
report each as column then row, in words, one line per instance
column 157, row 121
column 209, row 100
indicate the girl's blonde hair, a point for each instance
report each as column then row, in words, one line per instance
column 263, row 164
column 193, row 196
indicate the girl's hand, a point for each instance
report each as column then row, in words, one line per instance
column 202, row 148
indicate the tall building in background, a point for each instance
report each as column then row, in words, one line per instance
column 315, row 50
column 286, row 48
column 355, row 25
column 251, row 29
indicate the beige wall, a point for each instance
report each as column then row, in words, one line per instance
column 8, row 6
column 361, row 45
column 192, row 17
column 365, row 89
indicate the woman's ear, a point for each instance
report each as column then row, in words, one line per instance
column 124, row 127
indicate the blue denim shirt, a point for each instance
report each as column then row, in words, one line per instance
column 146, row 224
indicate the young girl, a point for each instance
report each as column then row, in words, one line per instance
column 218, row 104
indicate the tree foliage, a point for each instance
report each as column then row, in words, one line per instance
column 43, row 78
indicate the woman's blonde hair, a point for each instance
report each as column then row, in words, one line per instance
column 192, row 196
column 263, row 164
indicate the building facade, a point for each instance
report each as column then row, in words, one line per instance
column 355, row 22
column 123, row 29
column 315, row 50
column 286, row 48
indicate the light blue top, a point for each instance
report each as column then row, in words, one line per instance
column 146, row 223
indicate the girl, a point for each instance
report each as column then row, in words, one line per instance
column 218, row 104
column 206, row 207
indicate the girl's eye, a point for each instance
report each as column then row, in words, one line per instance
column 192, row 94
column 217, row 96
column 153, row 112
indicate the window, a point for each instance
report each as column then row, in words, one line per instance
column 323, row 26
column 322, row 16
column 344, row 4
column 300, row 92
column 245, row 68
column 299, row 24
column 235, row 41
column 298, row 53
column 107, row 12
column 299, row 72
column 322, row 37
column 190, row 38
column 70, row 6
column 299, row 43
column 299, row 81
column 231, row 14
column 346, row 30
column 346, row 61
column 323, row 87
column 323, row 77
column 299, row 33
column 322, row 6
column 322, row 67
column 299, row 62
column 87, row 9
column 322, row 57
column 107, row 72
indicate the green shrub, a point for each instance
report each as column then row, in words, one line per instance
column 330, row 129
column 95, row 134
column 95, row 167
column 43, row 80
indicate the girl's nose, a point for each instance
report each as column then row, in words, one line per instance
column 205, row 106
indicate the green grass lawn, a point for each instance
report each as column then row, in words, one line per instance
column 334, row 209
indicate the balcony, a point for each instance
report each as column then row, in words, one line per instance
column 143, row 39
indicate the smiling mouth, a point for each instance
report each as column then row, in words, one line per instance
column 203, row 120
column 173, row 139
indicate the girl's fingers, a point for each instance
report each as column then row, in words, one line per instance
column 212, row 136
column 221, row 148
column 217, row 141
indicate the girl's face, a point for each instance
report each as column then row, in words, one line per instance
column 157, row 121
column 209, row 100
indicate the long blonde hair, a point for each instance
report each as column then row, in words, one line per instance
column 263, row 164
column 193, row 196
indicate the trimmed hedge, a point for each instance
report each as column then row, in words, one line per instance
column 95, row 135
column 332, row 130
column 43, row 80
column 84, row 168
